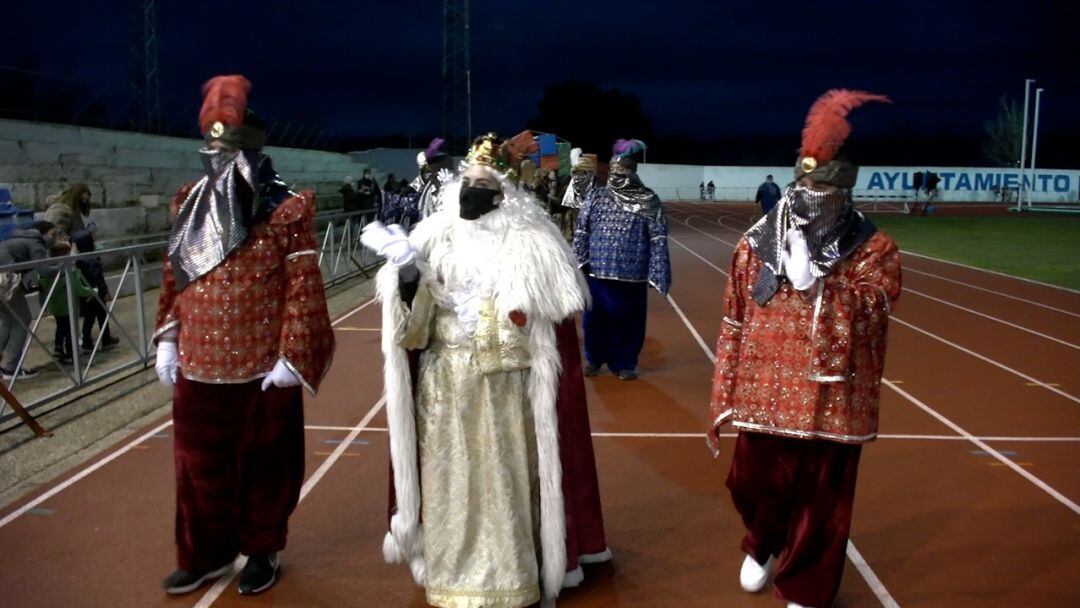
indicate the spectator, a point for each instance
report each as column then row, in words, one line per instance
column 67, row 213
column 348, row 195
column 711, row 189
column 57, row 304
column 768, row 194
column 23, row 246
column 92, row 308
column 368, row 195
column 391, row 183
column 701, row 190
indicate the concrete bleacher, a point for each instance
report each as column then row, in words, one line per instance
column 132, row 175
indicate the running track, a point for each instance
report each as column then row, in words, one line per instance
column 970, row 498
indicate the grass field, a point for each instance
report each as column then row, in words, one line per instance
column 1041, row 247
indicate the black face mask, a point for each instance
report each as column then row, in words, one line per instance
column 475, row 202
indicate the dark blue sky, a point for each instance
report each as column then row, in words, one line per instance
column 707, row 68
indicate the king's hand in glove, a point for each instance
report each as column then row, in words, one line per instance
column 796, row 260
column 390, row 242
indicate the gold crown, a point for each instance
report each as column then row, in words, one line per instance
column 485, row 151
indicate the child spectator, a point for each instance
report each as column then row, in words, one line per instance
column 58, row 303
column 92, row 308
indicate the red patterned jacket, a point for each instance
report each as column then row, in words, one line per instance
column 263, row 303
column 806, row 365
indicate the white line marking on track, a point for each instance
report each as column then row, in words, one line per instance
column 986, row 448
column 997, row 293
column 219, row 586
column 352, row 312
column 1000, row 274
column 83, row 473
column 993, row 318
column 128, row 447
column 376, row 429
column 867, row 573
column 871, row 579
column 1036, row 381
column 1016, row 372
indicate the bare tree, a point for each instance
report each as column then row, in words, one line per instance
column 1003, row 133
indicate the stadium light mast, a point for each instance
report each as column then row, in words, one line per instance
column 1023, row 145
column 145, row 77
column 1034, row 141
column 457, row 76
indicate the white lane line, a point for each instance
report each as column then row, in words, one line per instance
column 83, row 473
column 1035, row 381
column 867, row 573
column 128, row 447
column 377, row 429
column 695, row 254
column 871, row 579
column 996, row 293
column 352, row 312
column 986, row 448
column 993, row 318
column 218, row 588
column 1000, row 274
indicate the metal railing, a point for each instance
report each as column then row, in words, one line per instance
column 127, row 311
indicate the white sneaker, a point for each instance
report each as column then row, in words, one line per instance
column 753, row 575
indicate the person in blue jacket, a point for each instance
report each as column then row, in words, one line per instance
column 621, row 244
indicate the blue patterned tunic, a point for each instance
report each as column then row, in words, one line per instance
column 620, row 245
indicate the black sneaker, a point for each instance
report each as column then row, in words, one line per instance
column 592, row 370
column 627, row 374
column 24, row 373
column 62, row 357
column 183, row 581
column 109, row 342
column 259, row 574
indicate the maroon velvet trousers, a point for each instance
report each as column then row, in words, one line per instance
column 239, row 457
column 581, row 488
column 795, row 497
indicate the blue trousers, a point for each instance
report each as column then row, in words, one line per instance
column 615, row 325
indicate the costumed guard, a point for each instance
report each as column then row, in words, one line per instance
column 436, row 167
column 799, row 362
column 621, row 244
column 241, row 327
column 479, row 287
column 582, row 182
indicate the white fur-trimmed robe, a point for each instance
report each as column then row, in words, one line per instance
column 536, row 274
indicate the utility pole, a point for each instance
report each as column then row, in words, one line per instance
column 457, row 82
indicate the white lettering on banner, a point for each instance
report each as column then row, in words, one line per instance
column 975, row 181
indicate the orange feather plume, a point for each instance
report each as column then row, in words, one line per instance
column 224, row 100
column 826, row 124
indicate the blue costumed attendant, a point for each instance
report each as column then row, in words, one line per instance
column 621, row 243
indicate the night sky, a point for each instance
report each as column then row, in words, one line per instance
column 705, row 69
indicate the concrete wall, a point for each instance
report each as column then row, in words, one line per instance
column 958, row 184
column 133, row 176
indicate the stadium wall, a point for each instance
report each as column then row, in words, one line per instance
column 132, row 176
column 958, row 184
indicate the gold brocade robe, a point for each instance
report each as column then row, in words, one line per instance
column 477, row 451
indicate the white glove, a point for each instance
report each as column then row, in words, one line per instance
column 281, row 376
column 167, row 363
column 390, row 242
column 796, row 260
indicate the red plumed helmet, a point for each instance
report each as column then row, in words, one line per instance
column 826, row 125
column 224, row 101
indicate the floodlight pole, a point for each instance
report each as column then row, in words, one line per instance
column 1023, row 146
column 1035, row 140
